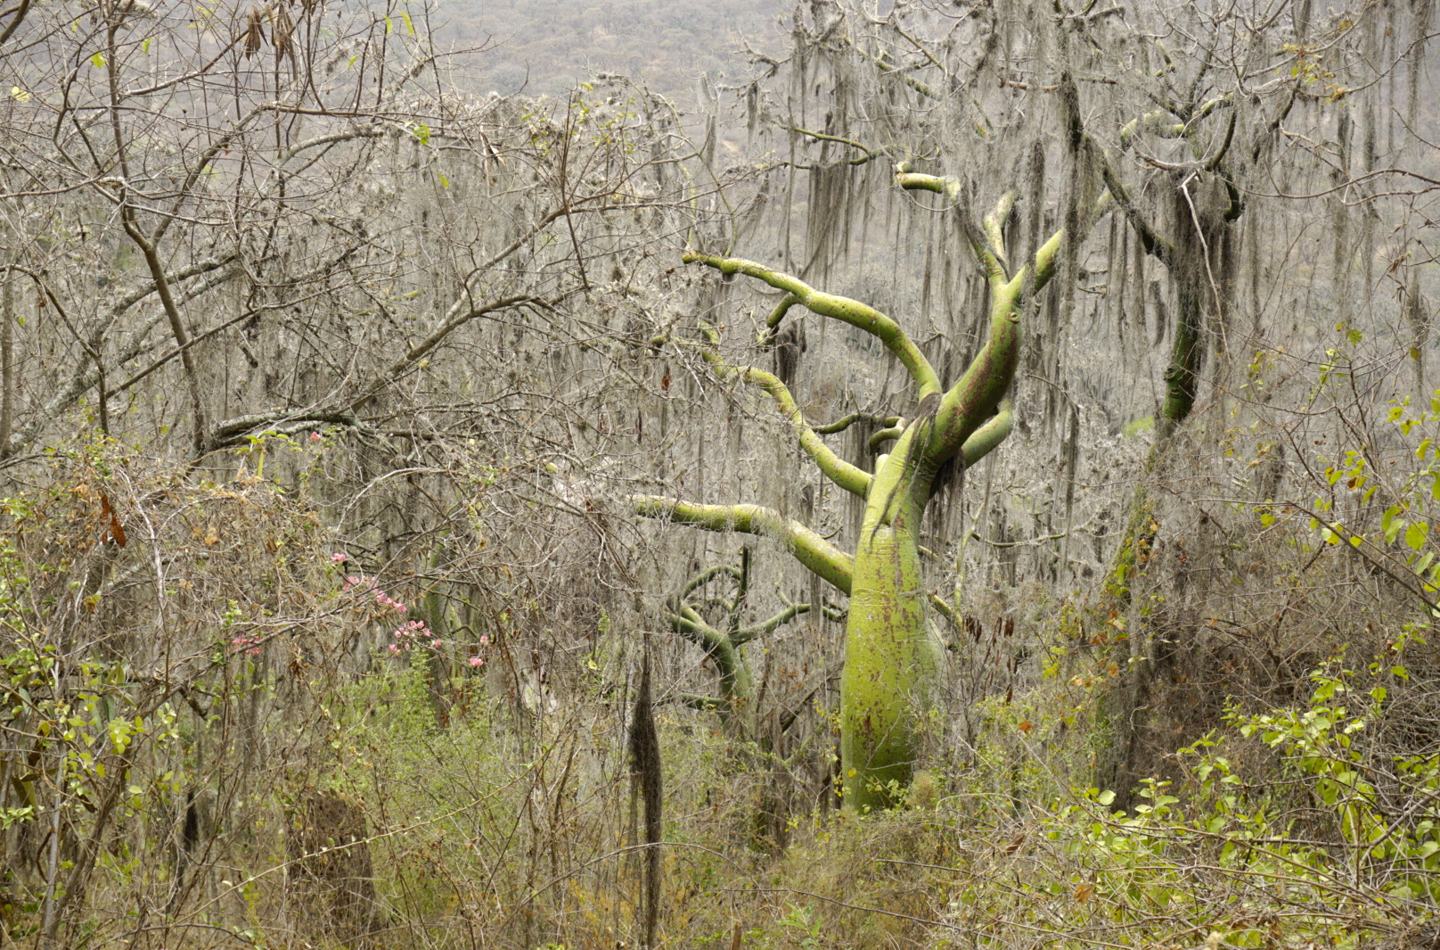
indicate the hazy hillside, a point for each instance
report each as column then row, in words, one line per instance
column 546, row 45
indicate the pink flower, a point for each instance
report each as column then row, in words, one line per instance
column 314, row 437
column 394, row 648
column 477, row 661
column 337, row 558
column 484, row 640
column 436, row 644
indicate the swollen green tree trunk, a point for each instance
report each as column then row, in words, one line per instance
column 890, row 658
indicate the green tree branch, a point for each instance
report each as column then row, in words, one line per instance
column 820, row 556
column 842, row 473
column 858, row 315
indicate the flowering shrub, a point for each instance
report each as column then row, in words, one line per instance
column 368, row 585
column 412, row 635
column 250, row 646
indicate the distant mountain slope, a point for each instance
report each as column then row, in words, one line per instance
column 547, row 45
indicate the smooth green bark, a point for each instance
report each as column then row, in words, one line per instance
column 817, row 554
column 890, row 666
column 891, row 660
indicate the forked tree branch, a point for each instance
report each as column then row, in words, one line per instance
column 858, row 315
column 984, row 439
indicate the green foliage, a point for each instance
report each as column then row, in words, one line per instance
column 1369, row 795
column 1135, row 428
column 1282, row 827
column 84, row 726
column 1341, row 837
column 1410, row 493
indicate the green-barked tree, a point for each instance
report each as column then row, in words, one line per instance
column 892, row 660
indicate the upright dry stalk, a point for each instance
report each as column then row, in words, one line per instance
column 646, row 784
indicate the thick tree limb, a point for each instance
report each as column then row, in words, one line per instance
column 708, row 575
column 1161, row 122
column 973, row 405
column 842, row 473
column 177, row 324
column 17, row 14
column 1150, row 239
column 988, row 436
column 746, row 634
column 859, row 315
column 280, row 421
column 995, row 224
column 689, row 624
column 975, row 399
column 989, row 246
column 820, row 556
column 888, row 434
column 821, row 136
column 767, row 336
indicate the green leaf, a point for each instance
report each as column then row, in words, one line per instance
column 409, row 26
column 1391, row 524
column 1415, row 535
column 98, row 61
column 444, row 182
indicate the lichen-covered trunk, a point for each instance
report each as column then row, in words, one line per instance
column 890, row 663
column 737, row 690
column 1121, row 709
